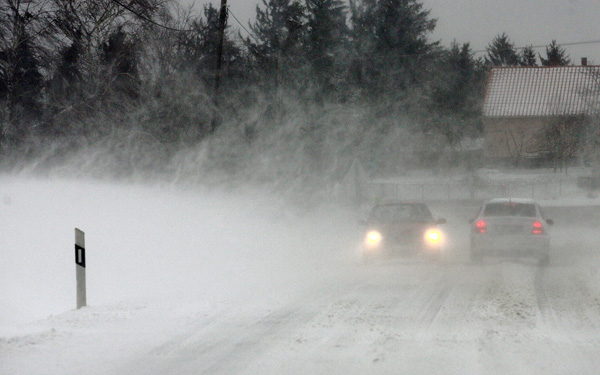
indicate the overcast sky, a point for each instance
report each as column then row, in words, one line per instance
column 526, row 22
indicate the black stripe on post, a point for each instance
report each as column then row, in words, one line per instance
column 80, row 256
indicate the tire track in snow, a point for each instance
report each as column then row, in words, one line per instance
column 225, row 346
column 176, row 342
column 433, row 305
column 541, row 297
column 231, row 355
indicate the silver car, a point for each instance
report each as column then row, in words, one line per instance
column 510, row 227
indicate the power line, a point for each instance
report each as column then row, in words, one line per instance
column 545, row 45
column 150, row 20
column 175, row 29
column 242, row 26
column 567, row 44
column 580, row 43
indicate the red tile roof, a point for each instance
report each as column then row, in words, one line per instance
column 542, row 91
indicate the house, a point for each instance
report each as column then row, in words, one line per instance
column 521, row 103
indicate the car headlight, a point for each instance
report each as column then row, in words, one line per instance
column 373, row 239
column 433, row 236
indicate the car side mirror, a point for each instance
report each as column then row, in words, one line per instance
column 440, row 221
column 471, row 221
column 550, row 221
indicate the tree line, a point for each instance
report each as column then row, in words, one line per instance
column 333, row 80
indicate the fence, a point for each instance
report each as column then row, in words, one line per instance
column 463, row 191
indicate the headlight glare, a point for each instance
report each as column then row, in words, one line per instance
column 433, row 236
column 373, row 238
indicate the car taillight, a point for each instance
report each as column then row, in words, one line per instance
column 480, row 226
column 538, row 228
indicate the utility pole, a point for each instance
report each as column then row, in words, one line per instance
column 222, row 23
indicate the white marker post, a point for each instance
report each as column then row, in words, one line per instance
column 80, row 267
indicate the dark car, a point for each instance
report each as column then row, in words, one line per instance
column 401, row 227
column 510, row 227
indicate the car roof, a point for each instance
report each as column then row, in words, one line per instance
column 512, row 200
column 397, row 203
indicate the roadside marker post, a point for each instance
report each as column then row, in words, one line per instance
column 80, row 267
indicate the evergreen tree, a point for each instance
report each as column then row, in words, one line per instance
column 456, row 95
column 119, row 59
column 391, row 44
column 403, row 27
column 501, row 52
column 555, row 55
column 199, row 49
column 21, row 85
column 327, row 35
column 67, row 73
column 65, row 92
column 277, row 40
column 528, row 57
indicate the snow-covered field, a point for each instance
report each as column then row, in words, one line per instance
column 188, row 281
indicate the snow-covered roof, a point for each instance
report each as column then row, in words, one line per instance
column 542, row 91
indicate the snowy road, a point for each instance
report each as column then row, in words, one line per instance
column 407, row 316
column 503, row 317
column 328, row 315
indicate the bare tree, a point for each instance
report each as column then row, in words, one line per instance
column 561, row 138
column 23, row 26
column 90, row 22
column 96, row 40
column 518, row 141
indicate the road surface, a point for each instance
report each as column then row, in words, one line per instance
column 395, row 316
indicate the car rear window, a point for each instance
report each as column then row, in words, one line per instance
column 509, row 209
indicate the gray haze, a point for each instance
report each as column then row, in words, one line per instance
column 526, row 22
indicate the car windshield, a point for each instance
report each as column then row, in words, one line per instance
column 401, row 212
column 509, row 209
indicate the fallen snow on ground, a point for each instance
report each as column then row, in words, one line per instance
column 188, row 281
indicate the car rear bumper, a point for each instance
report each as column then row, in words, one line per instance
column 521, row 245
column 393, row 248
